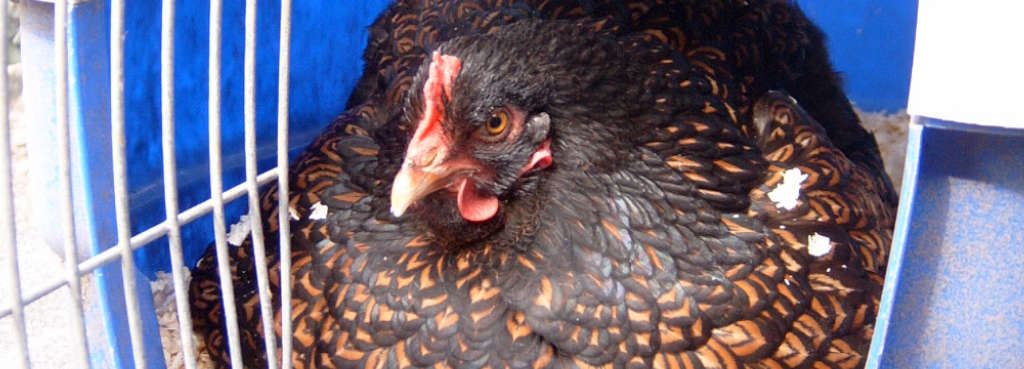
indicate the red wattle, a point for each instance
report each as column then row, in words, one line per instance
column 474, row 207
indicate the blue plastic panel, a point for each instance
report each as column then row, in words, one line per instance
column 872, row 46
column 954, row 284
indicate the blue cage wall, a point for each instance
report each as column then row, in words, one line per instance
column 871, row 44
column 327, row 42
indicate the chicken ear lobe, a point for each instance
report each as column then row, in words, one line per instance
column 540, row 159
column 537, row 129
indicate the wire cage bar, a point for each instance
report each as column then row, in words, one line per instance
column 178, row 268
column 255, row 224
column 216, row 187
column 137, row 241
column 7, row 226
column 77, row 328
column 117, row 133
column 283, row 216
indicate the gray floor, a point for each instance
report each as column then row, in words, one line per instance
column 48, row 319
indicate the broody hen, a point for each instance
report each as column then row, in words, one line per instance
column 563, row 184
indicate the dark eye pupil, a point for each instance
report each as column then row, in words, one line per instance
column 494, row 123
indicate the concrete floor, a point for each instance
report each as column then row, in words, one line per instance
column 48, row 320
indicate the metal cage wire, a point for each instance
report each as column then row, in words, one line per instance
column 171, row 226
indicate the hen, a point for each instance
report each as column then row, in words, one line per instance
column 578, row 184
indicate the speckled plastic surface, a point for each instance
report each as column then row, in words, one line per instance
column 953, row 291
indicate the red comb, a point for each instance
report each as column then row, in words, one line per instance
column 442, row 72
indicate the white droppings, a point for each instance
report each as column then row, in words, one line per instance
column 293, row 213
column 786, row 280
column 319, row 211
column 818, row 245
column 786, row 194
column 239, row 231
column 844, row 266
column 782, row 226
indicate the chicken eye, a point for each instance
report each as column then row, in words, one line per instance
column 497, row 123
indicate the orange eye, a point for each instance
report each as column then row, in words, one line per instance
column 497, row 123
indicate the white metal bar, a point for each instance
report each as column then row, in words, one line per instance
column 216, row 186
column 117, row 140
column 113, row 254
column 283, row 215
column 77, row 328
column 7, row 227
column 171, row 183
column 256, row 224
